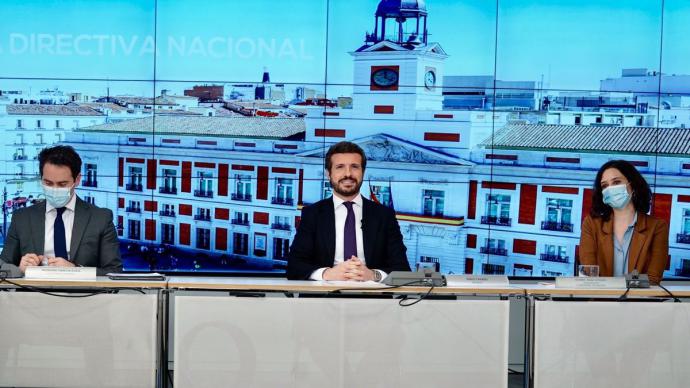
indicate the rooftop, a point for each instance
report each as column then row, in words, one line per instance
column 592, row 138
column 52, row 110
column 224, row 126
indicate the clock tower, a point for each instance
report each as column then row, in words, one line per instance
column 397, row 72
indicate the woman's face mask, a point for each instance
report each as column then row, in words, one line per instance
column 616, row 196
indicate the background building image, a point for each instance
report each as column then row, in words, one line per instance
column 486, row 151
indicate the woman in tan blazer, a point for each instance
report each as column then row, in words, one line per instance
column 618, row 235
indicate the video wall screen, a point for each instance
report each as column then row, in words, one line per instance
column 203, row 125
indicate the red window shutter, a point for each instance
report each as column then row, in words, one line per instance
column 528, row 204
column 472, row 202
column 222, row 214
column 221, row 239
column 185, row 231
column 185, row 210
column 150, row 206
column 498, row 185
column 121, row 172
column 662, row 206
column 223, row 179
column 586, row 203
column 384, row 109
column 151, row 173
column 262, row 183
column 261, row 218
column 186, row 177
column 121, row 203
column 469, row 264
column 527, row 247
column 150, row 230
column 472, row 241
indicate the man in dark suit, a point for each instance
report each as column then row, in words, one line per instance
column 63, row 230
column 346, row 236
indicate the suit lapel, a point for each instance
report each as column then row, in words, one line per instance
column 637, row 242
column 81, row 219
column 328, row 215
column 38, row 227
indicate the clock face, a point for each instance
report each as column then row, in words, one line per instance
column 429, row 79
column 385, row 77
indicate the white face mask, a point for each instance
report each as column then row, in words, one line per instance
column 57, row 196
column 616, row 196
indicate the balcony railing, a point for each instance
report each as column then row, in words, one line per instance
column 683, row 272
column 134, row 236
column 241, row 197
column 488, row 269
column 170, row 241
column 237, row 221
column 493, row 220
column 90, row 183
column 280, row 226
column 134, row 186
column 554, row 258
column 167, row 213
column 20, row 157
column 282, row 201
column 202, row 217
column 683, row 238
column 167, row 190
column 203, row 193
column 130, row 209
column 556, row 226
column 494, row 251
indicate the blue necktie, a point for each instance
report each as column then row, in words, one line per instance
column 349, row 235
column 59, row 241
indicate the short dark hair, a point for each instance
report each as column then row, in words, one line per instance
column 345, row 147
column 641, row 194
column 60, row 155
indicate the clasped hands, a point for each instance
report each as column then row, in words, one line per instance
column 353, row 269
column 32, row 259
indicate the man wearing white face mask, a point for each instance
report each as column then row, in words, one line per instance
column 63, row 230
column 618, row 235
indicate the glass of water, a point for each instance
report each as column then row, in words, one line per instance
column 588, row 270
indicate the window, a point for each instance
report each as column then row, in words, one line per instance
column 57, row 123
column 497, row 210
column 58, row 137
column 558, row 215
column 90, row 199
column 168, row 210
column 555, row 253
column 383, row 194
column 281, row 223
column 39, row 138
column 133, row 206
column 684, row 236
column 493, row 269
column 20, row 124
column 135, row 179
column 168, row 233
column 327, row 189
column 240, row 243
column 205, row 185
column 203, row 214
column 283, row 192
column 494, row 246
column 38, row 124
column 243, row 188
column 91, row 175
column 429, row 262
column 20, row 139
column 240, row 218
column 281, row 247
column 203, row 238
column 133, row 229
column 433, row 202
column 169, row 185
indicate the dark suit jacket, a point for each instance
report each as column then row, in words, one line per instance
column 648, row 251
column 93, row 243
column 314, row 243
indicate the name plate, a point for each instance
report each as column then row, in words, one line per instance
column 477, row 280
column 60, row 273
column 583, row 283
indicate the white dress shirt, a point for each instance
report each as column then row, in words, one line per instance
column 340, row 216
column 67, row 218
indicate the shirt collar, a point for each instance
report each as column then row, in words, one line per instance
column 337, row 201
column 70, row 205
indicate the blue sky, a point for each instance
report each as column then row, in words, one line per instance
column 571, row 44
